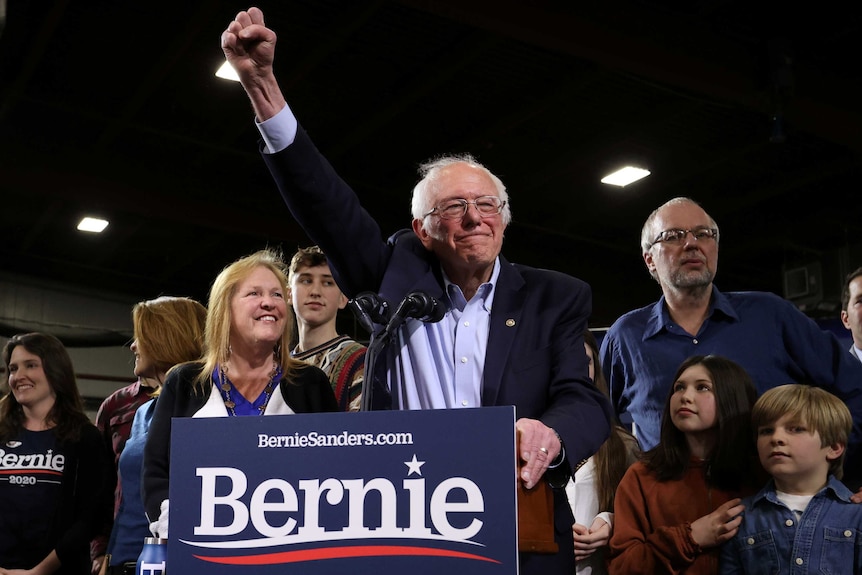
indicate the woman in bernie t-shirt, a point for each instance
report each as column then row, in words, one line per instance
column 54, row 469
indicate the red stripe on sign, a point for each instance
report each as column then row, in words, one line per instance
column 341, row 553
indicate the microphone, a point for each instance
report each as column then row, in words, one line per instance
column 369, row 309
column 417, row 305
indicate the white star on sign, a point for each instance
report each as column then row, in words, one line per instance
column 414, row 466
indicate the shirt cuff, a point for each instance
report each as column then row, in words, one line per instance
column 561, row 457
column 607, row 517
column 279, row 131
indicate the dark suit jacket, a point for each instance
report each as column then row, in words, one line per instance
column 535, row 358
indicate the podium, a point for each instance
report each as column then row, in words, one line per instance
column 418, row 492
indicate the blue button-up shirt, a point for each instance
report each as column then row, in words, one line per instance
column 441, row 365
column 827, row 538
column 765, row 334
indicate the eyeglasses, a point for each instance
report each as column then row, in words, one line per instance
column 678, row 236
column 456, row 208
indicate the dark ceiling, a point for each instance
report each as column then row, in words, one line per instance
column 112, row 108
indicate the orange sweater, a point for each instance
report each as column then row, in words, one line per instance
column 652, row 523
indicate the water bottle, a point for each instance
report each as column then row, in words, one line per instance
column 153, row 557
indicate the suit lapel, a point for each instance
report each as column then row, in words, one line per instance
column 411, row 268
column 505, row 323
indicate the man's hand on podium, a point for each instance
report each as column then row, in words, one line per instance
column 538, row 447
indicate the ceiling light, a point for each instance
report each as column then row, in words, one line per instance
column 93, row 225
column 227, row 72
column 625, row 176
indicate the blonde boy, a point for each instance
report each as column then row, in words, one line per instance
column 803, row 520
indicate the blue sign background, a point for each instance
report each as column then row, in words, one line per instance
column 456, row 448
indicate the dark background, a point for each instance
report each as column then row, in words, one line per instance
column 111, row 108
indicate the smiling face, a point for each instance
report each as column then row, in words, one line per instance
column 689, row 264
column 258, row 310
column 470, row 245
column 314, row 295
column 794, row 456
column 27, row 380
column 692, row 404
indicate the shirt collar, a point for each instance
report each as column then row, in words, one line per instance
column 834, row 487
column 485, row 291
column 659, row 317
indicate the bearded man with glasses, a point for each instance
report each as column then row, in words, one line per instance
column 511, row 334
column 767, row 335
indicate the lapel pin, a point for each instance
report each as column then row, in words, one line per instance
column 510, row 322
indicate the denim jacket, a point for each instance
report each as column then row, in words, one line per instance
column 826, row 539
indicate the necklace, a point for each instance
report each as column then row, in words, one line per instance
column 225, row 386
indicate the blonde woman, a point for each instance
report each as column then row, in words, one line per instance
column 246, row 369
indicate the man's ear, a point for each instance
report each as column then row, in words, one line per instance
column 834, row 451
column 650, row 263
column 342, row 301
column 845, row 318
column 422, row 234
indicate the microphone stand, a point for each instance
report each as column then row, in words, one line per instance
column 369, row 308
column 374, row 347
column 417, row 305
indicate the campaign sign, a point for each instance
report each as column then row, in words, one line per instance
column 418, row 492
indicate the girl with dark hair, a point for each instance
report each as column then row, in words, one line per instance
column 592, row 488
column 55, row 469
column 674, row 508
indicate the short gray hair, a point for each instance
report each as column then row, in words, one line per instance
column 430, row 171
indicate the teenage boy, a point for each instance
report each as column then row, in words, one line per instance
column 316, row 299
column 803, row 521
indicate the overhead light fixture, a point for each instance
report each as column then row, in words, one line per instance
column 227, row 72
column 92, row 225
column 625, row 176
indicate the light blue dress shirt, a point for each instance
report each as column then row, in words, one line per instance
column 441, row 364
